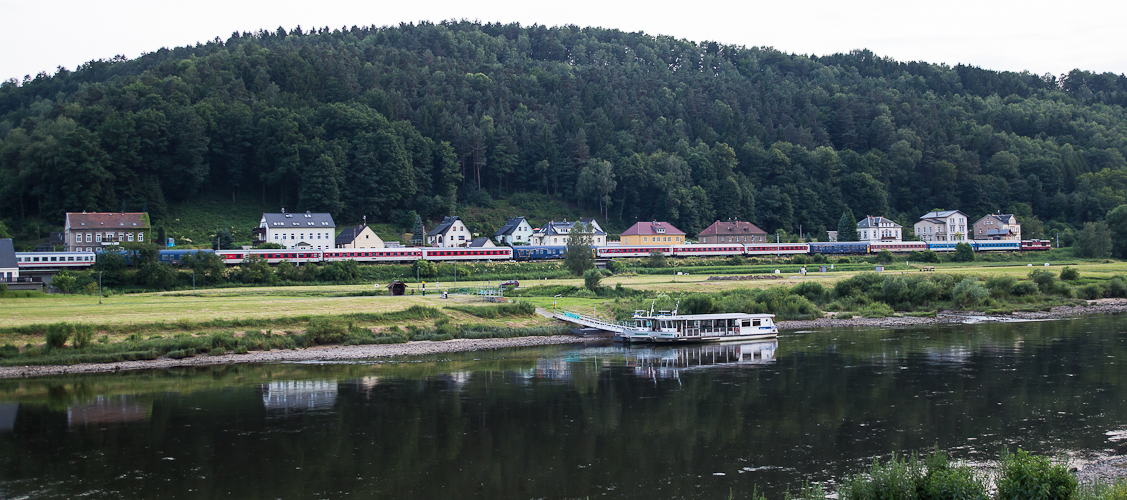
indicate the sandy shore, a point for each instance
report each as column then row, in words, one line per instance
column 326, row 353
column 1102, row 306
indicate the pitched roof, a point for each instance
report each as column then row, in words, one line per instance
column 871, row 221
column 941, row 214
column 510, row 226
column 731, row 227
column 998, row 232
column 1003, row 218
column 651, row 228
column 444, row 226
column 298, row 220
column 481, row 242
column 349, row 234
column 561, row 228
column 98, row 220
column 7, row 254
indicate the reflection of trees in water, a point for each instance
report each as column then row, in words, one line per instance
column 826, row 405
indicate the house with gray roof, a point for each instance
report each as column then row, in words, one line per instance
column 517, row 231
column 482, row 243
column 557, row 233
column 943, row 225
column 452, row 232
column 360, row 236
column 297, row 230
column 878, row 229
column 9, row 268
column 997, row 226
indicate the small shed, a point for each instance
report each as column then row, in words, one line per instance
column 397, row 288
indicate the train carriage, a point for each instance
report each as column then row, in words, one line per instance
column 528, row 252
column 373, row 254
column 777, row 249
column 997, row 246
column 1036, row 245
column 840, row 247
column 708, row 250
column 54, row 260
column 898, row 246
column 470, row 254
column 271, row 256
column 611, row 252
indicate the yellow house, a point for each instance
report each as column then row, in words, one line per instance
column 359, row 237
column 652, row 233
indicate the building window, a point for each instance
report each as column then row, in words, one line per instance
column 130, row 236
column 99, row 237
column 140, row 236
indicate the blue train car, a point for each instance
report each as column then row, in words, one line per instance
column 173, row 256
column 997, row 246
column 538, row 252
column 837, row 247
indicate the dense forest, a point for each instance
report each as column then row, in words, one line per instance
column 388, row 122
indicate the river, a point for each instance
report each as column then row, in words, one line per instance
column 572, row 421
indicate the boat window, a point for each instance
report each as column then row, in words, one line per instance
column 746, row 322
column 755, row 322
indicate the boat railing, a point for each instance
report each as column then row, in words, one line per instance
column 590, row 320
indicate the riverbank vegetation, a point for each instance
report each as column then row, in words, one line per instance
column 71, row 343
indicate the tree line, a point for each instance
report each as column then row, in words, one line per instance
column 424, row 119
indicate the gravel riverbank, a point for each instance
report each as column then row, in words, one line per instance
column 326, row 353
column 1102, row 306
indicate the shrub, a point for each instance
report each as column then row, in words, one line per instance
column 3, row 289
column 844, row 260
column 1029, row 477
column 1001, row 286
column 218, row 351
column 426, row 269
column 1091, row 292
column 884, row 257
column 1069, row 274
column 1023, row 288
column 57, row 335
column 83, row 334
column 925, row 256
column 897, row 478
column 9, row 351
column 1044, row 280
column 241, row 349
column 944, row 483
column 698, row 304
column 963, row 253
column 969, row 293
column 591, row 279
column 656, row 260
column 585, row 294
column 1115, row 287
column 812, row 290
column 325, row 331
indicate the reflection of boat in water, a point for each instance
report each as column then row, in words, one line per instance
column 109, row 410
column 666, row 362
column 672, row 327
column 299, row 394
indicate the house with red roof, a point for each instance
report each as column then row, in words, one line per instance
column 651, row 233
column 93, row 231
column 732, row 231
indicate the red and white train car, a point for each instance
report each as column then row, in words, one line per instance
column 373, row 254
column 898, row 246
column 614, row 252
column 455, row 253
column 776, row 249
column 271, row 256
column 1036, row 245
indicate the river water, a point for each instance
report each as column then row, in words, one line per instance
column 572, row 421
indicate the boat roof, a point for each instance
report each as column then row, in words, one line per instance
column 695, row 317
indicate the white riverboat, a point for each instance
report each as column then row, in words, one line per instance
column 672, row 327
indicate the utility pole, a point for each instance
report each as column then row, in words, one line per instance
column 777, row 252
column 99, row 288
column 193, row 280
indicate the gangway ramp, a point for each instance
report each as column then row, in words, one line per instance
column 589, row 321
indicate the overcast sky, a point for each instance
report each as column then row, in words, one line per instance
column 1034, row 35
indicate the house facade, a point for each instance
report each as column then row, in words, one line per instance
column 997, row 227
column 878, row 229
column 297, row 230
column 558, row 233
column 653, row 233
column 360, row 236
column 517, row 231
column 482, row 243
column 93, row 231
column 452, row 232
column 732, row 232
column 9, row 268
column 945, row 225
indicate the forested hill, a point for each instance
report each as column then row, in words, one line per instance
column 385, row 121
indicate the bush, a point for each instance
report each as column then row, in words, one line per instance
column 325, row 331
column 57, row 335
column 426, row 268
column 884, row 257
column 1029, row 477
column 969, row 293
column 218, row 351
column 925, row 256
column 1115, row 287
column 1069, row 274
column 83, row 334
column 944, row 483
column 591, row 279
column 897, row 478
column 1044, row 280
column 1024, row 288
column 656, row 260
column 1091, row 292
column 963, row 253
column 812, row 290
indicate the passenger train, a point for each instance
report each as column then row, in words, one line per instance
column 55, row 260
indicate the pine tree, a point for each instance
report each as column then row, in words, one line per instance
column 847, row 226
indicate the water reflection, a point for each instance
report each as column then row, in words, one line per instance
column 570, row 422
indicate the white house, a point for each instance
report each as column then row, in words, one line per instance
column 945, row 225
column 516, row 231
column 360, row 236
column 305, row 230
column 9, row 268
column 557, row 233
column 452, row 232
column 878, row 230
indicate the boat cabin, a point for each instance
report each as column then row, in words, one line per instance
column 704, row 326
